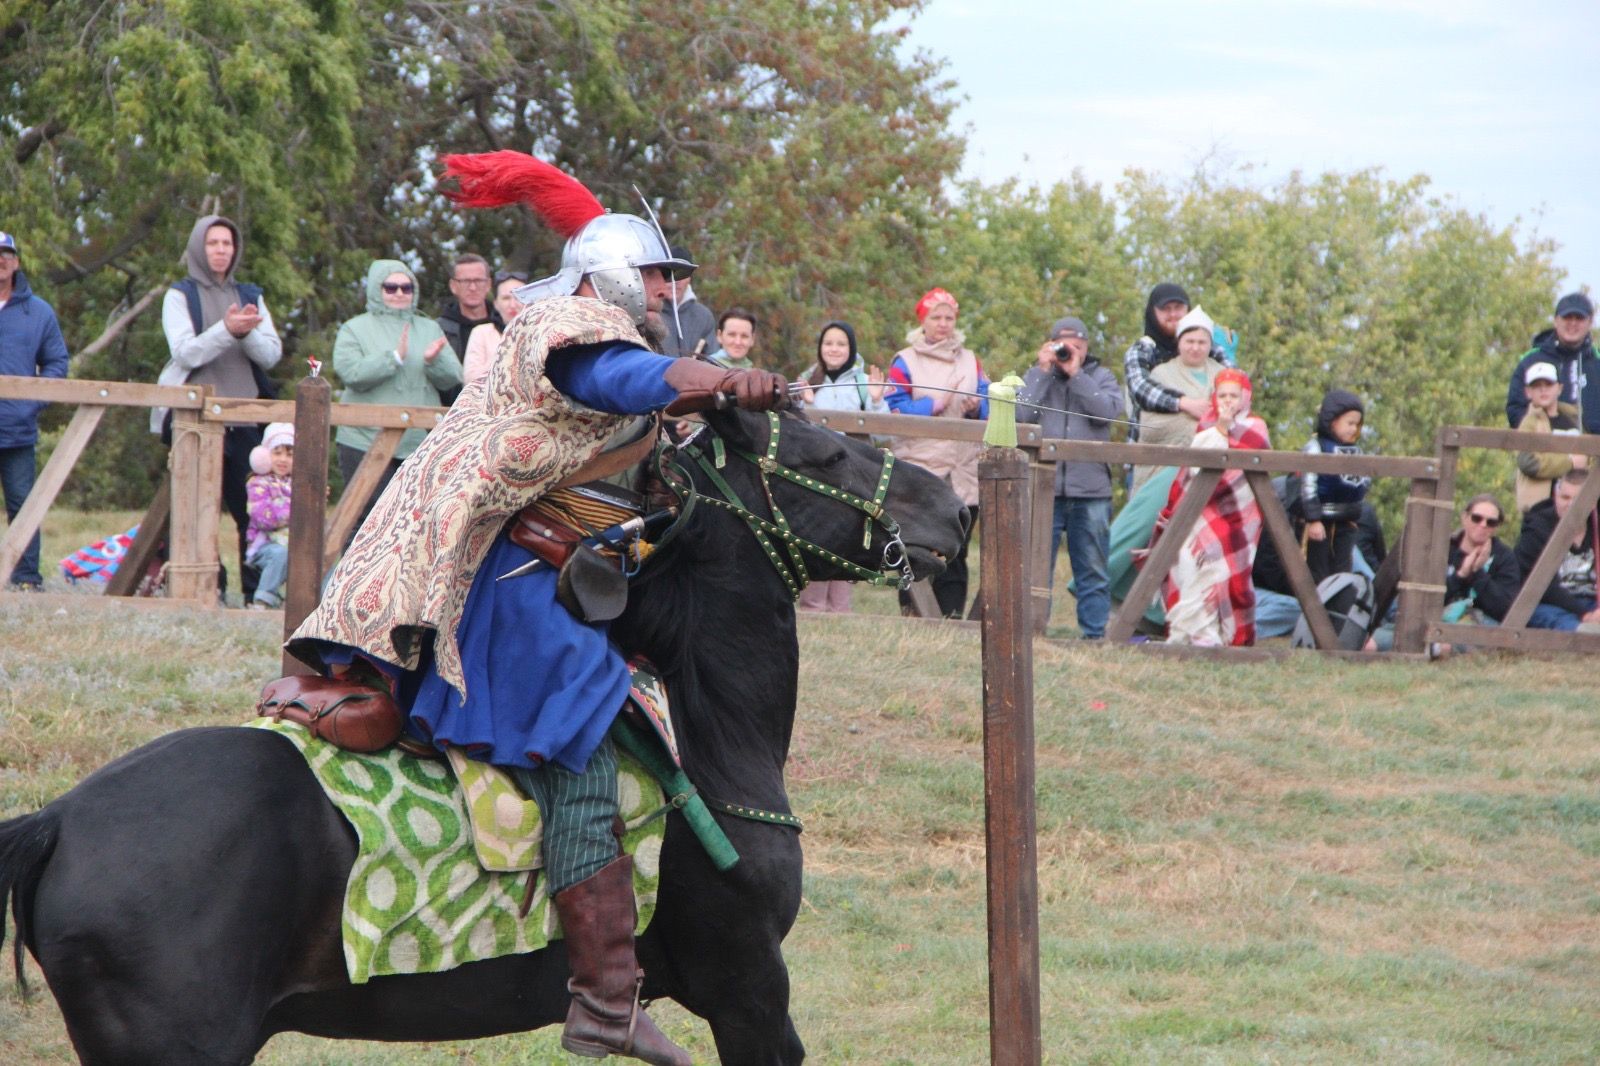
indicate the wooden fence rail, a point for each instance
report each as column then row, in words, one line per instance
column 195, row 461
column 188, row 516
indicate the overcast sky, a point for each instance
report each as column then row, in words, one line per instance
column 1496, row 101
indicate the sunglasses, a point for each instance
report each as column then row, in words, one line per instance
column 1478, row 519
column 404, row 286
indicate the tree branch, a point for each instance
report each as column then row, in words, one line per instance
column 90, row 257
column 33, row 139
column 122, row 321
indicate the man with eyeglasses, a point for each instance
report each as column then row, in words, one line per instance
column 1568, row 604
column 693, row 330
column 469, row 284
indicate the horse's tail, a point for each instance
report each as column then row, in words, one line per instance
column 26, row 845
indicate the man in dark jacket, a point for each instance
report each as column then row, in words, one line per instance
column 1569, row 601
column 469, row 284
column 1570, row 348
column 472, row 307
column 1078, row 398
column 30, row 346
column 693, row 331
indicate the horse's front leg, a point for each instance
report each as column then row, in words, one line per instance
column 720, row 937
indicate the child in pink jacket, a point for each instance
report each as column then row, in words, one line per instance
column 267, row 499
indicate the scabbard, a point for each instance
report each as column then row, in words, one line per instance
column 680, row 792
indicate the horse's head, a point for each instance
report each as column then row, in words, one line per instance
column 852, row 511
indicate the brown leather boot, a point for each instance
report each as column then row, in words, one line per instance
column 605, row 1018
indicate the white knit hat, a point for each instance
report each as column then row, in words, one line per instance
column 1196, row 319
column 275, row 434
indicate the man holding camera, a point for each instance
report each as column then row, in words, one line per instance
column 1078, row 397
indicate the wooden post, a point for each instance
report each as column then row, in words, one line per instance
column 152, row 533
column 308, row 502
column 357, row 492
column 1410, row 630
column 1158, row 562
column 1537, row 580
column 30, row 516
column 1276, row 521
column 1004, row 484
column 196, row 464
column 1040, row 554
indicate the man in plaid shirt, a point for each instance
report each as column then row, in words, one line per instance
column 1167, row 304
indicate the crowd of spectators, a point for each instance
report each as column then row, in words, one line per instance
column 1180, row 387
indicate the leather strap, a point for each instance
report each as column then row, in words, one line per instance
column 615, row 461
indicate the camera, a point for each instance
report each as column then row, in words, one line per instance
column 1063, row 351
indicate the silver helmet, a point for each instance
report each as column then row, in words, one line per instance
column 610, row 251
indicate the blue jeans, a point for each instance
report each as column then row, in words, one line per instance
column 272, row 559
column 1546, row 616
column 1086, row 524
column 1276, row 614
column 16, row 476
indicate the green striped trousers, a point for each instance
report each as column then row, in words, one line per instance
column 577, row 811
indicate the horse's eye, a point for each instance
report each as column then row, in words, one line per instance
column 835, row 459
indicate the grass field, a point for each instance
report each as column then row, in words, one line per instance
column 1296, row 861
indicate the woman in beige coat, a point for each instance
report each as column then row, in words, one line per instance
column 937, row 359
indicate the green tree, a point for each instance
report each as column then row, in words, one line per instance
column 1019, row 258
column 124, row 122
column 1354, row 281
column 788, row 145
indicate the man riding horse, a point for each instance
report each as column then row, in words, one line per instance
column 503, row 668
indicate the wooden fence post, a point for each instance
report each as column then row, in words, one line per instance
column 1005, row 485
column 31, row 514
column 308, row 502
column 196, row 463
column 1040, row 549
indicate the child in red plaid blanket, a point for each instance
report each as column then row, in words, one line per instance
column 1208, row 595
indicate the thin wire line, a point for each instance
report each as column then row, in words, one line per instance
column 795, row 388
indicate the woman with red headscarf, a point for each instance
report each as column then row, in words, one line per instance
column 1208, row 595
column 935, row 360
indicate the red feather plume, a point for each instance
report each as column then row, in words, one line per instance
column 496, row 179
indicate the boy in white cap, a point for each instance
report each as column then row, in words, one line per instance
column 1547, row 413
column 267, row 498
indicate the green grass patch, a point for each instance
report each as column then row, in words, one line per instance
column 1301, row 861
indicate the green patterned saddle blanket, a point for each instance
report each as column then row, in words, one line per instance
column 428, row 892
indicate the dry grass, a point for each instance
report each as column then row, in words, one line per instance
column 1299, row 861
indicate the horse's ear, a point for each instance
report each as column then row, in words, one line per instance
column 740, row 429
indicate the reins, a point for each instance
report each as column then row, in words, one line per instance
column 790, row 563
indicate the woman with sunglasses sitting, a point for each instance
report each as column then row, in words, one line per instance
column 390, row 355
column 1482, row 577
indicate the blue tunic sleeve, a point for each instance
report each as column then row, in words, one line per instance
column 617, row 378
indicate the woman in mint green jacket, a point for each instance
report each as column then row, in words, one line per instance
column 390, row 355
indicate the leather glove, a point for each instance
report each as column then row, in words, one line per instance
column 702, row 386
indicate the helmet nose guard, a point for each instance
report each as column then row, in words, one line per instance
column 611, row 251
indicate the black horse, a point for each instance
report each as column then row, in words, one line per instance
column 183, row 902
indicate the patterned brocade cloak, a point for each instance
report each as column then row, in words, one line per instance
column 507, row 440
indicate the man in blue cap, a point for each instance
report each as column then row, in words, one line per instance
column 1568, row 347
column 30, row 346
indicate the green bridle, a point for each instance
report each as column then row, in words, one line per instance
column 790, row 562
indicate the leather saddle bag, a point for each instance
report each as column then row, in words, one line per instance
column 345, row 714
